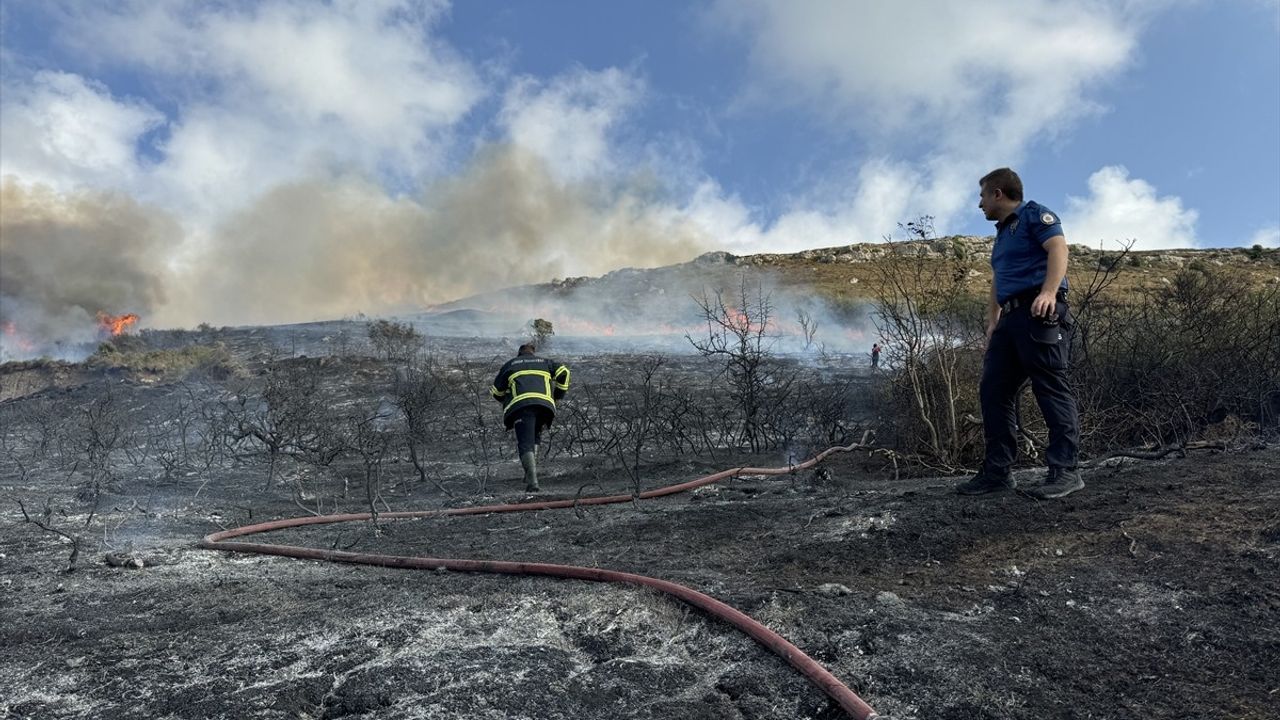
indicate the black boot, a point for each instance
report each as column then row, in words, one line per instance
column 987, row 481
column 529, row 461
column 1060, row 483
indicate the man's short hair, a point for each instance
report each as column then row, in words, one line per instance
column 1004, row 180
column 527, row 349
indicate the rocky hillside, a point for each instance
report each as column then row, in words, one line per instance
column 844, row 275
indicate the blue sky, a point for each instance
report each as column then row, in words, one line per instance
column 381, row 154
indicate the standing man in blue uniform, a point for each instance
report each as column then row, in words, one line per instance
column 528, row 387
column 1029, row 330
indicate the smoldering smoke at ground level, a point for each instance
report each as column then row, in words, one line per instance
column 660, row 310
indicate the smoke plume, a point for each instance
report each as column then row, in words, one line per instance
column 319, row 249
column 65, row 257
column 315, row 250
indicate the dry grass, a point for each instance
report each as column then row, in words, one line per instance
column 849, row 273
column 128, row 354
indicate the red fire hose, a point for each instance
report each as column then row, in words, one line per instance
column 843, row 696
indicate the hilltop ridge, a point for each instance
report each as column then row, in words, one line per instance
column 850, row 272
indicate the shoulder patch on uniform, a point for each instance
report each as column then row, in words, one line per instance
column 1048, row 219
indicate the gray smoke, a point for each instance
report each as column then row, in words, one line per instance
column 653, row 310
column 316, row 250
column 65, row 257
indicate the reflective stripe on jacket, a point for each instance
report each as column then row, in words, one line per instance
column 529, row 381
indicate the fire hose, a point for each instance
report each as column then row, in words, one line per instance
column 855, row 706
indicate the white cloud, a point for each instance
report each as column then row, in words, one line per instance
column 61, row 130
column 274, row 90
column 1120, row 209
column 567, row 120
column 1009, row 67
column 363, row 64
column 1268, row 236
column 373, row 66
column 882, row 199
column 884, row 191
column 969, row 85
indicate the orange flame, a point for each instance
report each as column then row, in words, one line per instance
column 11, row 335
column 116, row 324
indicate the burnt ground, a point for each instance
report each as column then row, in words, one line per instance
column 1154, row 593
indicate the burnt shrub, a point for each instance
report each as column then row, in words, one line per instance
column 929, row 323
column 1162, row 364
column 395, row 341
column 1157, row 365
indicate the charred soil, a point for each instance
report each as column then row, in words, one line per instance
column 1152, row 593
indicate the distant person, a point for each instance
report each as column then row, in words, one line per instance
column 528, row 386
column 875, row 356
column 1029, row 329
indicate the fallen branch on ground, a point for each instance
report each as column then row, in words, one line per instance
column 1158, row 453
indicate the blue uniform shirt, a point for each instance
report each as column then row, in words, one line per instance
column 1018, row 260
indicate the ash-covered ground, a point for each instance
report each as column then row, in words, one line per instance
column 1154, row 593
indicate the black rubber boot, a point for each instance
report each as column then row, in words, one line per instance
column 529, row 461
column 987, row 481
column 1060, row 483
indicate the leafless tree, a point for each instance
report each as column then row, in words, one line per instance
column 682, row 421
column 290, row 418
column 584, row 426
column 45, row 521
column 213, row 427
column 172, row 433
column 478, row 424
column 739, row 335
column 370, row 437
column 929, row 324
column 340, row 343
column 638, row 417
column 420, row 392
column 51, row 430
column 100, row 427
column 808, row 326
column 1092, row 300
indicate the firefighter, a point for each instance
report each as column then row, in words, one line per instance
column 528, row 387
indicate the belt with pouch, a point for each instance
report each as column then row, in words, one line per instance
column 1025, row 299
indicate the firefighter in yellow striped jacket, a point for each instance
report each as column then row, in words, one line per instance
column 528, row 387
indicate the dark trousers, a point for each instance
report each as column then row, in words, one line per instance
column 1018, row 351
column 528, row 424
